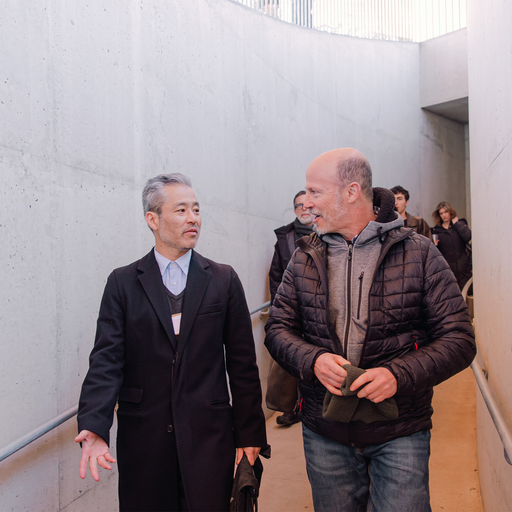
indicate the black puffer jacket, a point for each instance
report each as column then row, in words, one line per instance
column 418, row 328
column 283, row 250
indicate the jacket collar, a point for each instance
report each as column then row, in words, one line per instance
column 197, row 282
column 151, row 280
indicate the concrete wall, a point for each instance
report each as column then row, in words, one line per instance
column 490, row 83
column 444, row 68
column 442, row 168
column 444, row 88
column 95, row 98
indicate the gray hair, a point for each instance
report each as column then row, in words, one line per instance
column 358, row 170
column 154, row 196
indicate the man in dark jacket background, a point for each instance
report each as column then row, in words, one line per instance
column 287, row 237
column 417, row 223
column 367, row 292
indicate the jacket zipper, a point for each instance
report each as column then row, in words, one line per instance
column 360, row 293
column 349, row 293
column 379, row 261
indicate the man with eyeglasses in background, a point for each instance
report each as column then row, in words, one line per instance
column 283, row 250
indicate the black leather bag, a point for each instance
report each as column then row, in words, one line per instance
column 281, row 389
column 246, row 484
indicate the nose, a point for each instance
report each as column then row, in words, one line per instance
column 191, row 217
column 308, row 204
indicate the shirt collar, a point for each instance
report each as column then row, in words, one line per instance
column 183, row 261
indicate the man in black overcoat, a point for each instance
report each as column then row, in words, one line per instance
column 169, row 327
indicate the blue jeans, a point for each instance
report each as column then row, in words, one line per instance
column 388, row 477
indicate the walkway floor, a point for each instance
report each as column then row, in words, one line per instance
column 454, row 483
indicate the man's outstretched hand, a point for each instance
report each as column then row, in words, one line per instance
column 94, row 452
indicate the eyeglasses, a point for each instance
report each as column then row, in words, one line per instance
column 299, row 206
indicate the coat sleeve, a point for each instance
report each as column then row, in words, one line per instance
column 275, row 274
column 104, row 378
column 449, row 346
column 244, row 381
column 424, row 228
column 284, row 338
column 463, row 230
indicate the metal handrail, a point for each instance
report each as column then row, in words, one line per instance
column 497, row 418
column 37, row 433
column 260, row 308
column 63, row 417
column 481, row 379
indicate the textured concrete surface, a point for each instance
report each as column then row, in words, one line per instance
column 444, row 68
column 490, row 137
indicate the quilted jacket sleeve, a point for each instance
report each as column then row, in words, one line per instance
column 284, row 338
column 450, row 344
column 424, row 228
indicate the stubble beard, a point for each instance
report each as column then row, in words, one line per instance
column 333, row 221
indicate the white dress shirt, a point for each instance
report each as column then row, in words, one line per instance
column 174, row 273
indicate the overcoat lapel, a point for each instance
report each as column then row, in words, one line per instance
column 151, row 281
column 197, row 283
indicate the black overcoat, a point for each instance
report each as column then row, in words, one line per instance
column 452, row 245
column 174, row 400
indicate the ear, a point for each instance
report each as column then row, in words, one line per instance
column 153, row 220
column 353, row 192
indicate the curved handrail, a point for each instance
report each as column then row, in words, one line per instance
column 481, row 379
column 466, row 288
column 497, row 418
column 61, row 418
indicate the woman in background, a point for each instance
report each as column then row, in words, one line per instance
column 453, row 234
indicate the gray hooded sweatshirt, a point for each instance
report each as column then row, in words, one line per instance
column 351, row 266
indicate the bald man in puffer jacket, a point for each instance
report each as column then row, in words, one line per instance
column 367, row 292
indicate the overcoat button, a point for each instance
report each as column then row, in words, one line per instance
column 170, row 428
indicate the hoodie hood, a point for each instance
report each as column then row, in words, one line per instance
column 387, row 219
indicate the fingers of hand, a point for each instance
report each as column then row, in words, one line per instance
column 110, row 458
column 382, row 385
column 252, row 454
column 332, row 382
column 102, row 461
column 333, row 370
column 340, row 360
column 94, row 469
column 83, row 466
column 333, row 390
column 362, row 379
